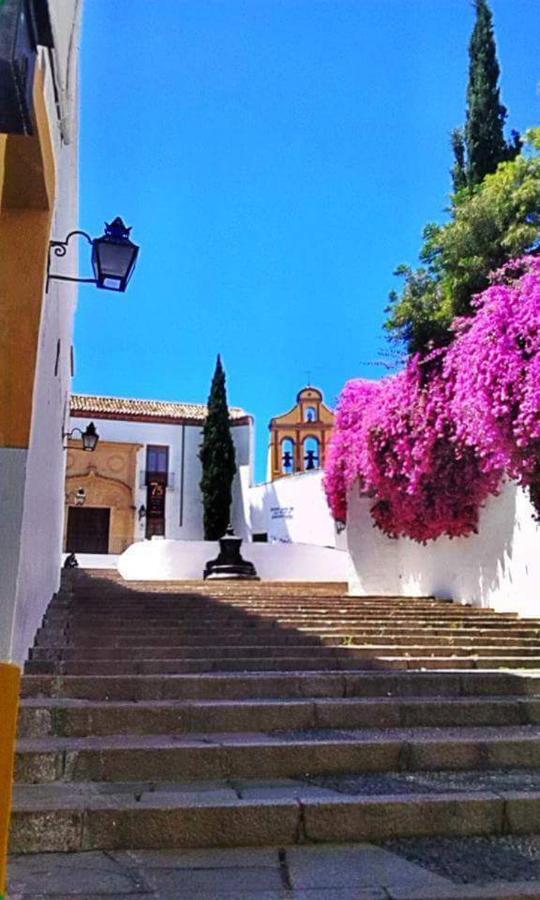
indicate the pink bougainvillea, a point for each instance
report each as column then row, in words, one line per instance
column 430, row 444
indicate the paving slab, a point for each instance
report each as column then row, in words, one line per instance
column 358, row 866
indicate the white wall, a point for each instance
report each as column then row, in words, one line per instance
column 183, row 505
column 294, row 509
column 164, row 560
column 498, row 568
column 32, row 479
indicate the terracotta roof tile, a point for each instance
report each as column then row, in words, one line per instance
column 87, row 404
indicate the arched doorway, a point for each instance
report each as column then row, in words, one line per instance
column 105, row 522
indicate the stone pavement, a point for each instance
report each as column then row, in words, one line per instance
column 324, row 872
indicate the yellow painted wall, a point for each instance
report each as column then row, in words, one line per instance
column 9, row 701
column 27, row 189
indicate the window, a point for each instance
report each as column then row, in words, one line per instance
column 157, row 460
column 310, row 414
column 157, row 465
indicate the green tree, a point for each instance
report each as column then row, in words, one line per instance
column 218, row 460
column 490, row 224
column 459, row 171
column 482, row 146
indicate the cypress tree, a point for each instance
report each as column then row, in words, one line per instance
column 218, row 460
column 484, row 145
column 459, row 171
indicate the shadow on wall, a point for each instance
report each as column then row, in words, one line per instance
column 498, row 568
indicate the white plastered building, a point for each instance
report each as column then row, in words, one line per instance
column 142, row 481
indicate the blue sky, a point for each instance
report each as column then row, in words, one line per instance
column 276, row 159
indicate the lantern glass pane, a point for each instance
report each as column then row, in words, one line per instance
column 114, row 260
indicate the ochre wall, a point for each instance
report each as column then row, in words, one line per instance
column 27, row 190
column 9, row 701
column 108, row 478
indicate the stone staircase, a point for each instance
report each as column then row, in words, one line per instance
column 211, row 715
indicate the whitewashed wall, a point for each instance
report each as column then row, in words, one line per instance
column 497, row 568
column 32, row 479
column 294, row 509
column 183, row 505
column 164, row 560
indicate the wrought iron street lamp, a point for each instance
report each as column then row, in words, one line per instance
column 89, row 436
column 77, row 497
column 113, row 257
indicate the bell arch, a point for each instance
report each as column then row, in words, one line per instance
column 311, row 453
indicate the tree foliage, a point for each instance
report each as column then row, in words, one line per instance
column 489, row 224
column 481, row 146
column 217, row 456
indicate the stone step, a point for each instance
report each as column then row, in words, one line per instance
column 274, row 754
column 246, row 664
column 282, row 685
column 516, row 629
column 217, row 611
column 80, row 718
column 106, row 637
column 133, row 646
column 366, row 658
column 286, row 612
column 372, row 620
column 179, row 649
column 88, row 816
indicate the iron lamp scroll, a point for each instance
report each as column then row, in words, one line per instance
column 113, row 257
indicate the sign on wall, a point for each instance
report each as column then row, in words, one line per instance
column 282, row 512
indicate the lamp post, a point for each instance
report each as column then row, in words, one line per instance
column 89, row 437
column 113, row 257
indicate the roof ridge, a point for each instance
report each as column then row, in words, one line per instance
column 78, row 400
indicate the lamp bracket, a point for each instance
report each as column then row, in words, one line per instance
column 59, row 248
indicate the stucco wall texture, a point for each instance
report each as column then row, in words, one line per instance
column 39, row 192
column 499, row 567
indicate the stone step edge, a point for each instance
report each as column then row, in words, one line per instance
column 411, row 737
column 284, row 666
column 42, row 717
column 127, row 824
column 480, row 701
column 297, row 684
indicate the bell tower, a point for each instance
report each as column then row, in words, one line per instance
column 299, row 438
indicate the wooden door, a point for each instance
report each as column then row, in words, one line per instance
column 88, row 529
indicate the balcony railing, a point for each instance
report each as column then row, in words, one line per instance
column 169, row 478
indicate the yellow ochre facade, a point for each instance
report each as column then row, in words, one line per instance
column 299, row 434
